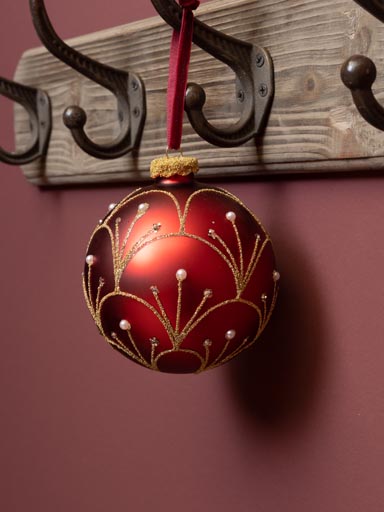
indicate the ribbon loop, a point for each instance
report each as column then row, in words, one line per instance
column 189, row 4
column 178, row 73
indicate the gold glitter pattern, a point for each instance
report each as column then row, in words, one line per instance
column 122, row 255
column 167, row 166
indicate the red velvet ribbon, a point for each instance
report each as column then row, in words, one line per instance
column 178, row 73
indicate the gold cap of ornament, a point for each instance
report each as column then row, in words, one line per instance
column 167, row 166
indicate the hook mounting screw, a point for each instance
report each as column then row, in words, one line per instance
column 240, row 95
column 260, row 60
column 263, row 90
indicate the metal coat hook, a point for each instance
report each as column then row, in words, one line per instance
column 359, row 72
column 374, row 7
column 37, row 104
column 127, row 87
column 253, row 67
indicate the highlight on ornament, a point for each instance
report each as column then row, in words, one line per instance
column 179, row 276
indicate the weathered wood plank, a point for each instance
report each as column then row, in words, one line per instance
column 313, row 127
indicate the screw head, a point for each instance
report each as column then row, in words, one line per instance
column 260, row 60
column 240, row 96
column 263, row 90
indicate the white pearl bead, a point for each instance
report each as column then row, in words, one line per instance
column 276, row 275
column 124, row 325
column 181, row 274
column 229, row 335
column 143, row 207
column 231, row 216
column 90, row 259
column 111, row 206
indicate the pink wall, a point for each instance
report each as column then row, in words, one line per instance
column 294, row 425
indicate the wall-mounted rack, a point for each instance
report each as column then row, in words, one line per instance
column 313, row 126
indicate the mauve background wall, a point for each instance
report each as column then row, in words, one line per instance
column 296, row 424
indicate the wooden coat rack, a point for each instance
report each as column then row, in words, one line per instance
column 313, row 126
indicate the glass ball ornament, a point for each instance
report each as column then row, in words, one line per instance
column 180, row 276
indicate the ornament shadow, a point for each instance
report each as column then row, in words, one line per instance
column 276, row 382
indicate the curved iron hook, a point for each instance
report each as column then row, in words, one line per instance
column 127, row 87
column 38, row 106
column 253, row 67
column 359, row 72
column 374, row 7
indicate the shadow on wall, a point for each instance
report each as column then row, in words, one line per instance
column 275, row 383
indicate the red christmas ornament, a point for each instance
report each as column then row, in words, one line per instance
column 179, row 276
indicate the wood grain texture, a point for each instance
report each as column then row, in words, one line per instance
column 313, row 127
